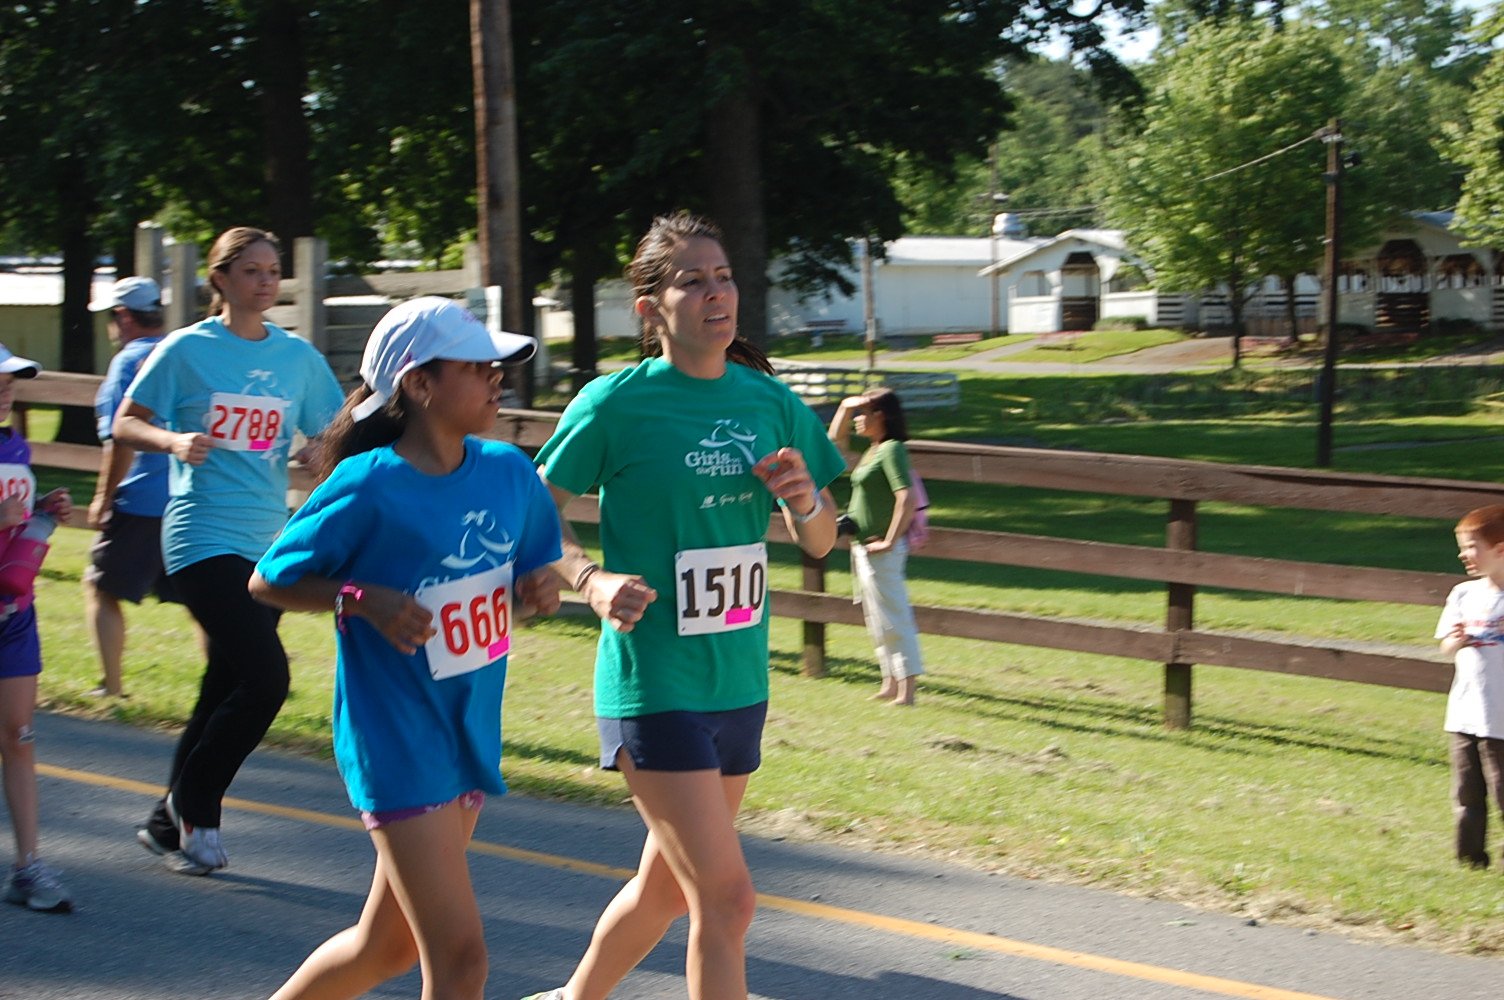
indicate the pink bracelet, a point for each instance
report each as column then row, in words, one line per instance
column 348, row 590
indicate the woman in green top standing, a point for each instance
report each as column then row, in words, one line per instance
column 882, row 505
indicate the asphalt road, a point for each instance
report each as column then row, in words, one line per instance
column 834, row 923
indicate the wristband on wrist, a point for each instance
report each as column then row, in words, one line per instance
column 585, row 574
column 348, row 591
column 811, row 514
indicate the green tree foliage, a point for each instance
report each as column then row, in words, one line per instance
column 1428, row 34
column 779, row 117
column 88, row 114
column 1480, row 150
column 392, row 126
column 1043, row 157
column 1177, row 18
column 1176, row 182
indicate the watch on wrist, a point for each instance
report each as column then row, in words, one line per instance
column 812, row 513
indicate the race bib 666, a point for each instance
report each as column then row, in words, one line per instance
column 245, row 423
column 721, row 589
column 473, row 616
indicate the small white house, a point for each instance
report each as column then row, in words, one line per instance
column 1069, row 282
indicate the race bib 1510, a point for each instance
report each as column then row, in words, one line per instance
column 721, row 589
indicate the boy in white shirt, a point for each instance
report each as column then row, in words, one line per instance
column 1471, row 630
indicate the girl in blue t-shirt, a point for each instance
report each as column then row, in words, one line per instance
column 693, row 450
column 426, row 542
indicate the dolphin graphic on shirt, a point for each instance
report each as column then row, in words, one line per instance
column 730, row 433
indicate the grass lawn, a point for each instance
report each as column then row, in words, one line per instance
column 1309, row 801
column 1084, row 348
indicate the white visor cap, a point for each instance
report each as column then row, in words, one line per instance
column 425, row 329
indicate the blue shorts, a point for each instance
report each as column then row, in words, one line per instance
column 729, row 742
column 20, row 645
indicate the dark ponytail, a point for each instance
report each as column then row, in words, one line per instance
column 345, row 436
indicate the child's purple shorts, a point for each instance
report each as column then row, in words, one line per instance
column 20, row 645
column 374, row 820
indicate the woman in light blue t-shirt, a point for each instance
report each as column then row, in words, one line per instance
column 228, row 392
column 692, row 450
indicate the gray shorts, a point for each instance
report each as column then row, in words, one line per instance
column 125, row 560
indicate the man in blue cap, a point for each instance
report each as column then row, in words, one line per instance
column 125, row 561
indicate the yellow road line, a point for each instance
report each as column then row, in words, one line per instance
column 783, row 904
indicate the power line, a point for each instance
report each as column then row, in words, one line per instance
column 1315, row 136
column 1038, row 212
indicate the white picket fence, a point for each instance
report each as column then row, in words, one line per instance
column 918, row 390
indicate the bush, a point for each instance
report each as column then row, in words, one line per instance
column 1454, row 327
column 1121, row 323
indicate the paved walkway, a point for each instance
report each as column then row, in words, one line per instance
column 833, row 923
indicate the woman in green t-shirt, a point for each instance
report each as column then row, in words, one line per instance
column 693, row 450
column 882, row 505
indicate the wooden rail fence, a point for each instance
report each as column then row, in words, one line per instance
column 1182, row 484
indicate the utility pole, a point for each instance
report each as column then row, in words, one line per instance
column 869, row 305
column 1328, row 381
column 498, row 195
column 993, row 199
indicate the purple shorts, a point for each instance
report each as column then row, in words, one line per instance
column 20, row 645
column 386, row 817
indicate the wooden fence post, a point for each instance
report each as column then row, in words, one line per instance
column 814, row 632
column 310, row 255
column 1180, row 533
column 182, row 285
column 149, row 259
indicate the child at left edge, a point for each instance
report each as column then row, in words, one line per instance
column 423, row 539
column 32, row 882
column 1471, row 630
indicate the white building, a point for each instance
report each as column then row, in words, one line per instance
column 1418, row 273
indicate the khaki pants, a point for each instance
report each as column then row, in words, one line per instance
column 884, row 594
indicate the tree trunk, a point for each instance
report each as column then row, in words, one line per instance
column 1291, row 316
column 586, row 350
column 1236, row 300
column 77, row 423
column 733, row 164
column 288, row 149
column 123, row 253
column 498, row 178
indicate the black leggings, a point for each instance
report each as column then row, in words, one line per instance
column 244, row 686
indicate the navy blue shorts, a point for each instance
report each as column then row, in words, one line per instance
column 20, row 645
column 729, row 742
